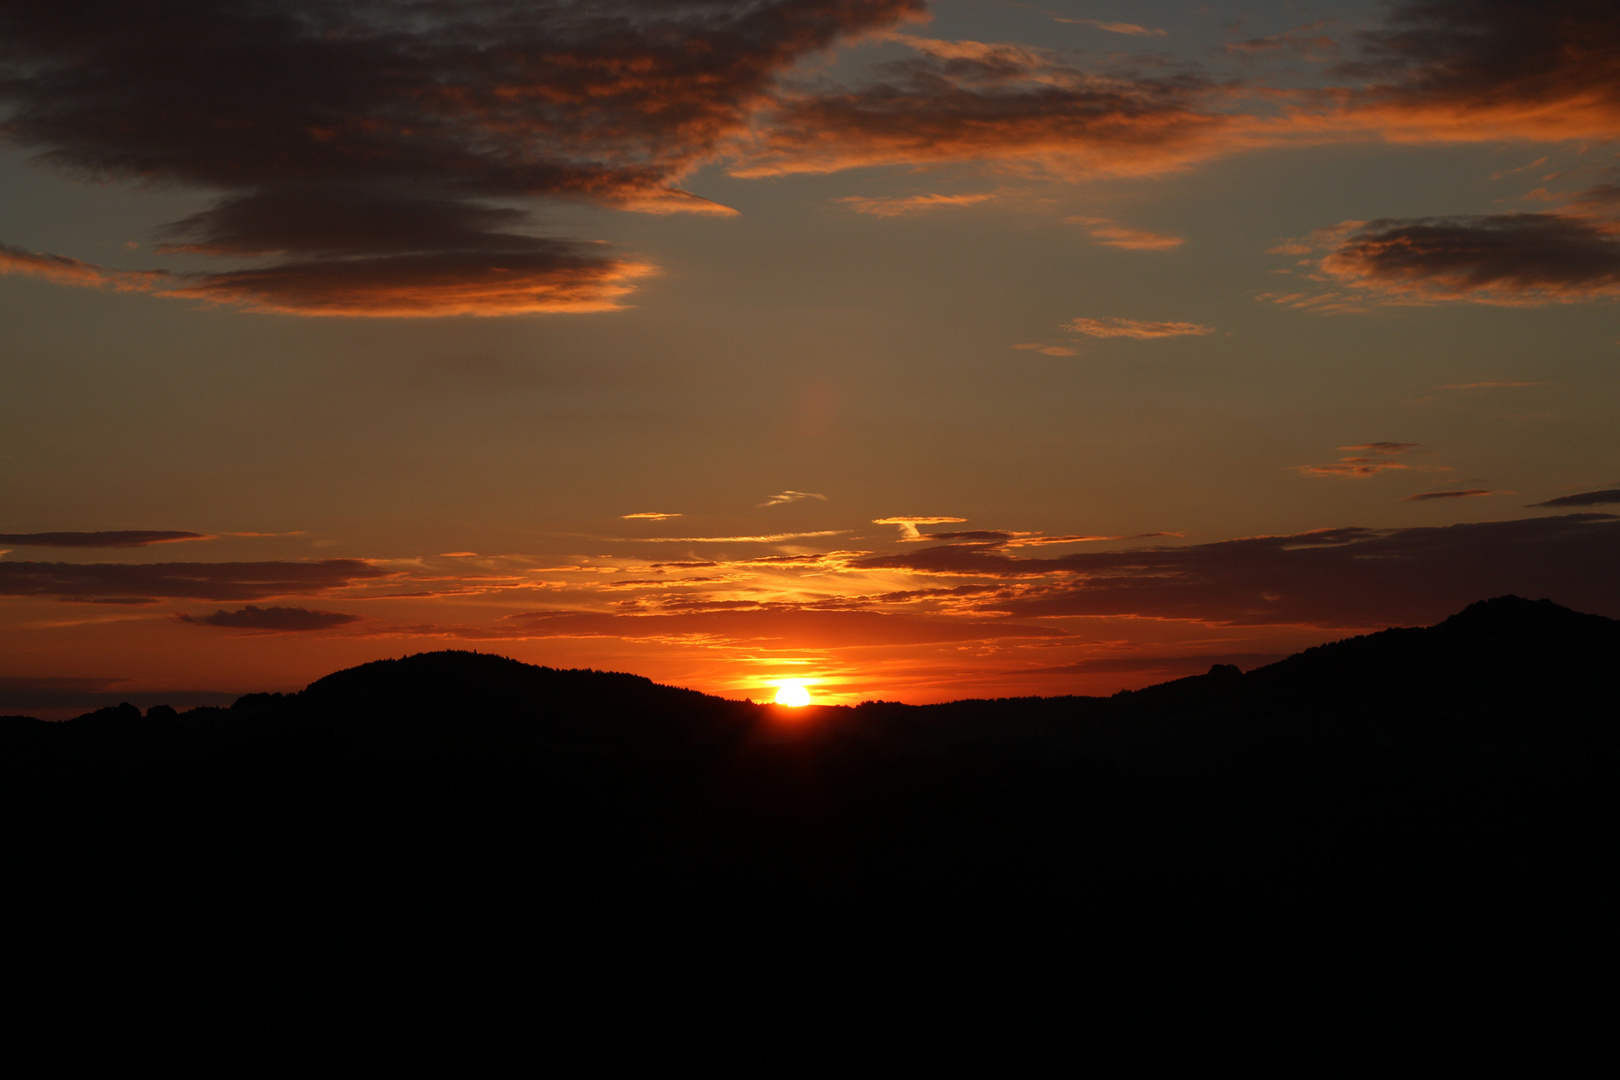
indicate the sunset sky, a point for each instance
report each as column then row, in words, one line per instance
column 913, row 350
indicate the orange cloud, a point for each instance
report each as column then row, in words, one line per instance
column 1368, row 459
column 1112, row 27
column 1110, row 234
column 908, row 525
column 1134, row 328
column 425, row 286
column 65, row 271
column 911, row 204
column 1048, row 350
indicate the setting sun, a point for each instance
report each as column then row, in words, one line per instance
column 792, row 694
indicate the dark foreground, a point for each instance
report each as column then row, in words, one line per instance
column 1395, row 848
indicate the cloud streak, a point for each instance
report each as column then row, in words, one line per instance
column 278, row 620
column 1349, row 577
column 1367, row 459
column 128, row 538
column 1111, row 234
column 126, row 583
column 1464, row 493
column 1135, row 328
column 1606, row 497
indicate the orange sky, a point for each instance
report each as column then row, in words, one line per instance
column 913, row 350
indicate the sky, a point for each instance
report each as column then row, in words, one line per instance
column 907, row 350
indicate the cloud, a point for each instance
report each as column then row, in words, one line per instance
column 125, row 539
column 1584, row 498
column 1048, row 350
column 767, row 538
column 1110, row 234
column 791, row 496
column 648, row 515
column 1492, row 258
column 1466, row 493
column 1303, row 41
column 1112, row 27
column 908, row 525
column 910, row 204
column 62, row 270
column 797, row 626
column 1366, row 459
column 273, row 619
column 1348, row 577
column 955, row 101
column 124, row 583
column 1133, row 328
column 360, row 144
column 1466, row 70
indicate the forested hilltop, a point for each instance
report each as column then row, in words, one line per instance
column 1432, row 809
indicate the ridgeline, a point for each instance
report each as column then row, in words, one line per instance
column 1430, row 811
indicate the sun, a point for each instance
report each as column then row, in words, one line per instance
column 793, row 695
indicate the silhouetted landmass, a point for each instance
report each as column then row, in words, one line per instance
column 1364, row 845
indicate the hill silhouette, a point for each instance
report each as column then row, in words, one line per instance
column 1430, row 811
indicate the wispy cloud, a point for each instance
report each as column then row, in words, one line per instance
column 277, row 620
column 768, row 538
column 1465, row 493
column 648, row 515
column 909, row 204
column 1366, row 459
column 1605, row 497
column 127, row 538
column 1111, row 234
column 1111, row 27
column 908, row 525
column 791, row 496
column 1135, row 328
column 1048, row 350
column 124, row 583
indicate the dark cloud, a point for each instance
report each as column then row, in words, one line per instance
column 983, row 535
column 1464, row 493
column 124, row 539
column 966, row 101
column 1503, row 258
column 1349, row 577
column 1585, row 498
column 273, row 619
column 1471, row 69
column 136, row 583
column 364, row 137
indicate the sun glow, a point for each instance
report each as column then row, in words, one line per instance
column 793, row 695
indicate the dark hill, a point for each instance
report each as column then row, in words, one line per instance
column 483, row 699
column 1367, row 848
